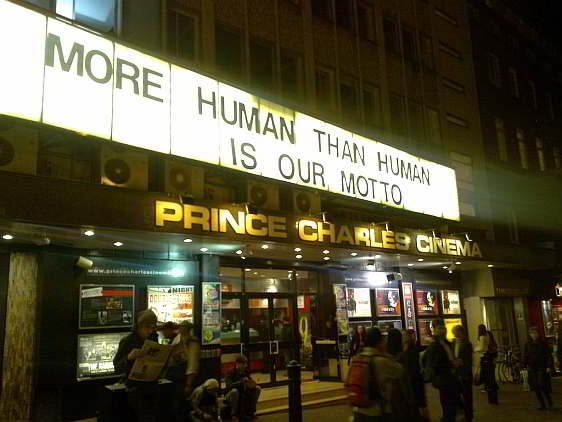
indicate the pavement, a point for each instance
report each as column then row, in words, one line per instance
column 515, row 405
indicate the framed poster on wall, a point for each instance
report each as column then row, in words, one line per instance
column 211, row 313
column 96, row 353
column 106, row 306
column 171, row 303
column 358, row 302
column 388, row 302
column 426, row 301
column 386, row 326
column 341, row 308
column 450, row 302
column 450, row 323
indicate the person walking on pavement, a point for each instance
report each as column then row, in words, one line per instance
column 462, row 349
column 486, row 352
column 538, row 361
column 410, row 360
column 438, row 370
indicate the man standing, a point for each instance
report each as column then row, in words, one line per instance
column 438, row 370
column 243, row 392
column 463, row 362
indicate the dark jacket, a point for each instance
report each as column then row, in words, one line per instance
column 538, row 358
column 121, row 363
column 234, row 378
column 464, row 353
column 410, row 360
column 438, row 368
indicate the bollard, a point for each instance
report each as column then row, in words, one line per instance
column 295, row 399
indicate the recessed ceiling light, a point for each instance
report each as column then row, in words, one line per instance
column 265, row 246
column 458, row 263
column 247, row 269
column 7, row 237
column 239, row 252
column 377, row 256
column 325, row 251
column 410, row 265
column 243, row 257
column 204, row 249
column 450, row 272
column 298, row 256
column 298, row 249
column 89, row 233
column 445, row 267
column 326, row 258
column 490, row 265
column 420, row 259
column 118, row 244
column 187, row 240
column 255, row 273
column 353, row 253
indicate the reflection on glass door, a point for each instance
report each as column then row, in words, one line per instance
column 259, row 322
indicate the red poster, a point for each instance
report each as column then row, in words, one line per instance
column 388, row 302
column 427, row 302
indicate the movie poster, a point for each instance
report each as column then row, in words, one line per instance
column 341, row 309
column 106, row 306
column 450, row 302
column 386, row 326
column 96, row 353
column 426, row 333
column 358, row 302
column 171, row 303
column 388, row 302
column 450, row 323
column 427, row 302
column 211, row 313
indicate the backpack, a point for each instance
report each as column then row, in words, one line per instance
column 361, row 384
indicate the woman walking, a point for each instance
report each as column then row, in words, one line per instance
column 486, row 352
column 538, row 361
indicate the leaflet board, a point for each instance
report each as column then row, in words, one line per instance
column 211, row 313
column 388, row 302
column 427, row 302
column 106, row 306
column 341, row 309
column 409, row 307
column 358, row 302
column 450, row 302
column 171, row 303
column 96, row 353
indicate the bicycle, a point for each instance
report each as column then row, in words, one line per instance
column 509, row 369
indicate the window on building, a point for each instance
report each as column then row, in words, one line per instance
column 229, row 51
column 391, row 36
column 500, row 136
column 426, row 51
column 365, row 21
column 540, row 154
column 409, row 44
column 549, row 105
column 372, row 106
column 183, row 35
column 99, row 14
column 433, row 126
column 533, row 95
column 262, row 64
column 451, row 51
column 459, row 121
column 322, row 9
column 522, row 149
column 415, row 117
column 291, row 69
column 557, row 157
column 325, row 88
column 348, row 97
column 465, row 182
column 397, row 114
column 454, row 85
column 494, row 70
column 445, row 16
column 513, row 83
column 344, row 13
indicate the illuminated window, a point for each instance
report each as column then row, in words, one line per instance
column 513, row 83
column 391, row 36
column 533, row 95
column 522, row 149
column 348, row 97
column 372, row 106
column 100, row 14
column 291, row 72
column 365, row 21
column 540, row 154
column 325, row 88
column 261, row 64
column 183, row 35
column 426, row 51
column 557, row 157
column 229, row 54
column 433, row 126
column 500, row 135
column 397, row 114
column 494, row 70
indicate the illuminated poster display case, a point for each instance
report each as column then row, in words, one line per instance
column 96, row 353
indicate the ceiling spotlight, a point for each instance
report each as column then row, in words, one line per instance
column 450, row 272
column 255, row 273
column 7, row 237
column 247, row 269
column 204, row 249
column 325, row 251
column 353, row 253
column 89, row 233
column 265, row 246
column 187, row 240
column 298, row 249
column 445, row 267
column 326, row 258
column 243, row 257
column 420, row 259
column 377, row 256
column 298, row 256
column 118, row 244
column 490, row 265
column 239, row 252
column 458, row 263
column 410, row 265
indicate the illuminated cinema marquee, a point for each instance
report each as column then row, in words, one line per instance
column 65, row 76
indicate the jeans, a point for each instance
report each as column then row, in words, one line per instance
column 233, row 400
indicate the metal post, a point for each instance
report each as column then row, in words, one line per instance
column 295, row 401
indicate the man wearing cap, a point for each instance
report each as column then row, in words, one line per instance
column 243, row 392
column 205, row 401
column 142, row 395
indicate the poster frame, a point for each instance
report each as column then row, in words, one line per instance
column 191, row 286
column 97, row 327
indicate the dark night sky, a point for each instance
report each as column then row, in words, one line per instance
column 546, row 15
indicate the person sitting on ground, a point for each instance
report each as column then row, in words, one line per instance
column 243, row 392
column 205, row 403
